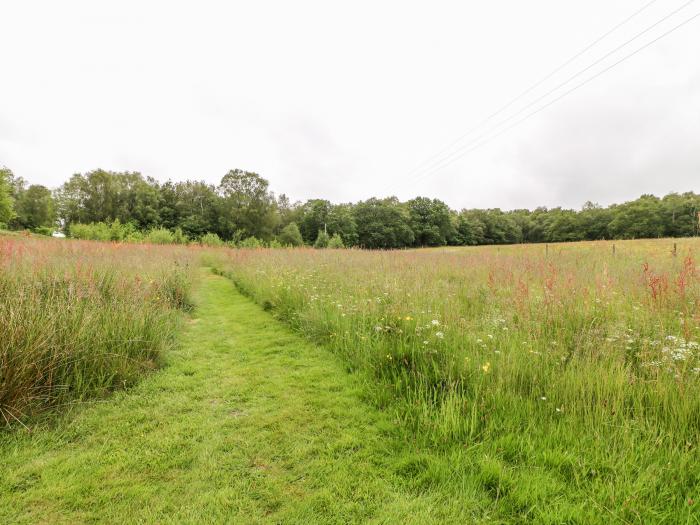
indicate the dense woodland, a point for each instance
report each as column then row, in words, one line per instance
column 242, row 210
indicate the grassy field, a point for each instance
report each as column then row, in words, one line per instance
column 563, row 382
column 248, row 423
column 79, row 319
column 513, row 384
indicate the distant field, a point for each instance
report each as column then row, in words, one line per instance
column 564, row 376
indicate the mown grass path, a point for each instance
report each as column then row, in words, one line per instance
column 248, row 423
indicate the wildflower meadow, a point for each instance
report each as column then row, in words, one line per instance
column 572, row 368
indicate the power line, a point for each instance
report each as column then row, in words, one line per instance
column 532, row 87
column 551, row 91
column 485, row 141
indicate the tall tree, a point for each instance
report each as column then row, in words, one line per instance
column 192, row 206
column 430, row 221
column 314, row 218
column 248, row 208
column 470, row 228
column 35, row 208
column 6, row 201
column 382, row 223
column 641, row 218
column 290, row 235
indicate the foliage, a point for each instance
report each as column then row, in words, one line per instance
column 250, row 242
column 100, row 231
column 382, row 223
column 179, row 236
column 211, row 239
column 6, row 201
column 104, row 196
column 321, row 239
column 43, row 230
column 336, row 241
column 243, row 206
column 314, row 217
column 160, row 236
column 430, row 221
column 35, row 208
column 290, row 235
column 247, row 205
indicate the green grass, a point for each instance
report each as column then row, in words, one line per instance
column 248, row 423
column 79, row 320
column 555, row 387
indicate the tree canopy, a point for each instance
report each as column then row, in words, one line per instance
column 243, row 208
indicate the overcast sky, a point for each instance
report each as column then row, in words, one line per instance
column 343, row 100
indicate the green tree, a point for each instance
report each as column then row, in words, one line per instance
column 248, row 208
column 192, row 206
column 470, row 228
column 35, row 208
column 594, row 221
column 336, row 242
column 382, row 223
column 499, row 227
column 287, row 211
column 6, row 202
column 290, row 235
column 563, row 225
column 104, row 196
column 680, row 214
column 341, row 221
column 638, row 219
column 314, row 217
column 430, row 221
column 322, row 239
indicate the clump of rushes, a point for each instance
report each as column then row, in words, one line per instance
column 577, row 352
column 79, row 319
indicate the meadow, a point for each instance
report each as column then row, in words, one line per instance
column 81, row 319
column 563, row 376
column 499, row 384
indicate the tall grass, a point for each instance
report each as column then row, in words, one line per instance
column 79, row 319
column 576, row 362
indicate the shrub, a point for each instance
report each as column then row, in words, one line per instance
column 97, row 231
column 160, row 236
column 179, row 236
column 290, row 235
column 336, row 241
column 100, row 231
column 250, row 242
column 43, row 230
column 322, row 240
column 211, row 239
column 125, row 232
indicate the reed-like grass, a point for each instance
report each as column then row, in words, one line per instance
column 79, row 319
column 576, row 362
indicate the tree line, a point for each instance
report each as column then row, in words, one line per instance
column 243, row 209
